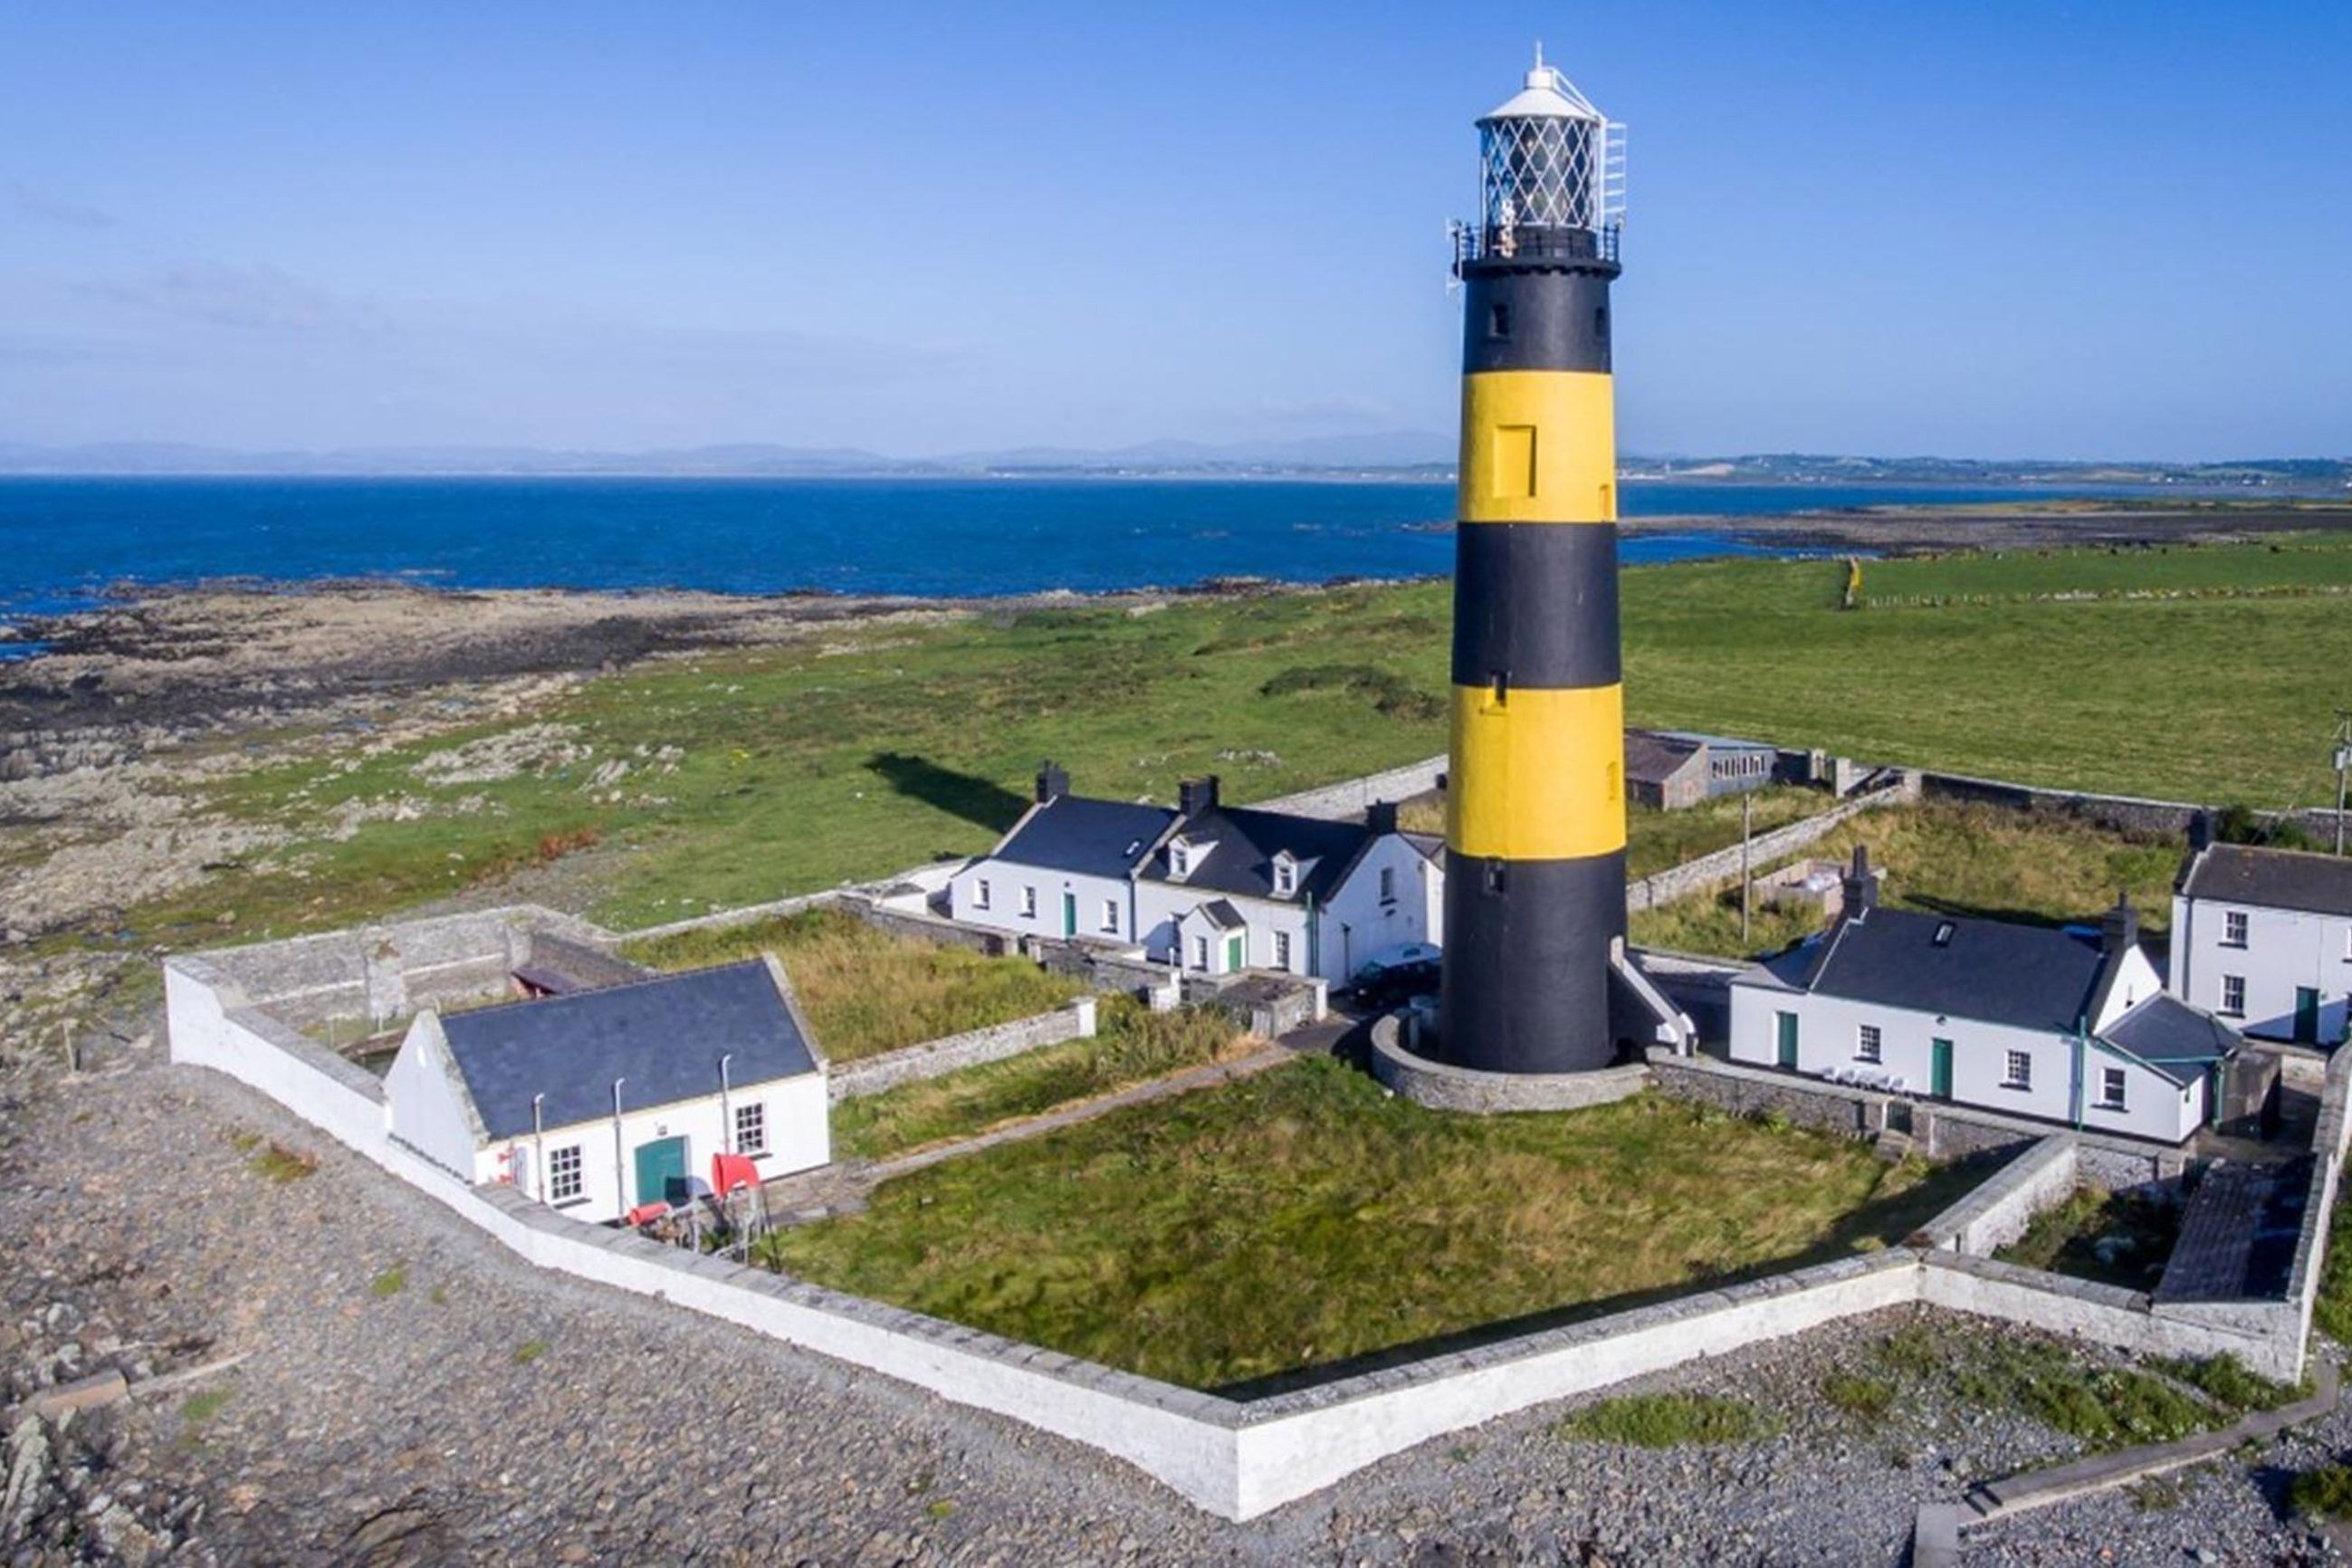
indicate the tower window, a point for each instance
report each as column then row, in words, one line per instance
column 1601, row 325
column 1495, row 877
column 1498, row 321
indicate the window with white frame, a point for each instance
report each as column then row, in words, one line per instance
column 1866, row 1042
column 2233, row 928
column 2017, row 1070
column 565, row 1179
column 2347, row 944
column 1285, row 875
column 2111, row 1088
column 1282, row 950
column 1180, row 858
column 2233, row 995
column 1029, row 901
column 980, row 893
column 1388, row 884
column 1110, row 916
column 1199, row 952
column 751, row 1129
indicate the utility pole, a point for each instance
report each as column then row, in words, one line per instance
column 1748, row 885
column 2343, row 769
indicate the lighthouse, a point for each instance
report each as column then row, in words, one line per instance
column 1535, row 862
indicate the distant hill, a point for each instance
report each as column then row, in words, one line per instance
column 1400, row 454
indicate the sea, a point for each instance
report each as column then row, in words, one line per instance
column 70, row 543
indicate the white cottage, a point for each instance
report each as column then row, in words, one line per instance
column 2263, row 938
column 1212, row 887
column 602, row 1101
column 2067, row 1026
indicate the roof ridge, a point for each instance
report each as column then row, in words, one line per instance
column 510, row 1003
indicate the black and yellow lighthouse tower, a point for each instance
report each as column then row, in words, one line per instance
column 1535, row 871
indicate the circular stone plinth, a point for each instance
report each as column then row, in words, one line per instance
column 1442, row 1087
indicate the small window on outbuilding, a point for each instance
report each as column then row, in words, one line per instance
column 751, row 1129
column 564, row 1177
column 2112, row 1081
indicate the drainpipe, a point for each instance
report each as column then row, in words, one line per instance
column 620, row 1152
column 538, row 1147
column 725, row 1122
column 2075, row 1091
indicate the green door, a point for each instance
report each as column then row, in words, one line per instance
column 2306, row 1016
column 657, row 1162
column 1069, row 914
column 1233, row 952
column 1788, row 1039
column 1939, row 1068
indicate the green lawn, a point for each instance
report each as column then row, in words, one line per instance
column 1170, row 1239
column 865, row 991
column 795, row 768
column 1131, row 1045
column 1943, row 858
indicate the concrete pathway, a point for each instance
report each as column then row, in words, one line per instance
column 817, row 1195
column 1935, row 1532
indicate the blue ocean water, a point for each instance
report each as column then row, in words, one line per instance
column 63, row 541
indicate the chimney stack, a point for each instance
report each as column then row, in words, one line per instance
column 1860, row 883
column 1380, row 817
column 1196, row 796
column 2119, row 927
column 1053, row 782
column 2200, row 832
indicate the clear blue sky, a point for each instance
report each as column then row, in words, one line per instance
column 1991, row 229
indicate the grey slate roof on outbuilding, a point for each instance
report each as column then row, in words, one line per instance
column 2272, row 879
column 2239, row 1234
column 2176, row 1039
column 1992, row 971
column 1085, row 837
column 559, row 967
column 1653, row 758
column 664, row 1035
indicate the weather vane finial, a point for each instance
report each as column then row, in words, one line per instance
column 1538, row 54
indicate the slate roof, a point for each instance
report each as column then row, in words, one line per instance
column 1241, row 858
column 1653, row 758
column 561, row 966
column 1222, row 915
column 2239, row 1234
column 664, row 1035
column 2273, row 878
column 1085, row 837
column 1992, row 971
column 2173, row 1037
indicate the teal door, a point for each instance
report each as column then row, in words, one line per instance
column 2306, row 1016
column 1939, row 1068
column 1787, row 1042
column 1069, row 914
column 1233, row 953
column 657, row 1162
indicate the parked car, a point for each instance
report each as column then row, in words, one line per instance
column 1393, row 978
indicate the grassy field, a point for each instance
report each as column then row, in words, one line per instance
column 1165, row 1237
column 865, row 991
column 2190, row 672
column 1131, row 1045
column 1942, row 859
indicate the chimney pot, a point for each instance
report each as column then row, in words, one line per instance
column 1380, row 816
column 1053, row 782
column 1194, row 796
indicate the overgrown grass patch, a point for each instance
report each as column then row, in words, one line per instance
column 2322, row 1493
column 391, row 1282
column 2101, row 1404
column 1668, row 1421
column 199, row 1408
column 1301, row 1218
column 865, row 991
column 2115, row 1238
column 1133, row 1044
column 1942, row 857
column 278, row 1163
column 1858, row 1394
column 2224, row 1380
column 2333, row 1308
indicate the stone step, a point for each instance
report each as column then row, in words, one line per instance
column 1892, row 1146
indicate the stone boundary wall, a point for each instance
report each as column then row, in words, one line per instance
column 1443, row 1086
column 718, row 919
column 1348, row 798
column 1233, row 1459
column 2328, row 1140
column 1723, row 865
column 951, row 1052
column 2004, row 1205
column 1751, row 1091
column 2123, row 813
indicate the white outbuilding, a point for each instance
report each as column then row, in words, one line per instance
column 601, row 1102
column 2264, row 937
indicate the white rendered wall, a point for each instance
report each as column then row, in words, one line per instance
column 2285, row 949
column 1828, row 1029
column 1357, row 923
column 430, row 1110
column 1005, row 881
column 798, row 1140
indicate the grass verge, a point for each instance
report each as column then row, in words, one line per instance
column 1668, row 1421
column 867, row 992
column 1174, row 1239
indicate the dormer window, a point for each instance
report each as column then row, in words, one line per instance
column 1180, row 859
column 1285, row 875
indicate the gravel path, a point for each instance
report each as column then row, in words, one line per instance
column 414, row 1395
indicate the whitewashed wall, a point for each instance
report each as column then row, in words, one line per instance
column 2285, row 949
column 1357, row 923
column 1005, row 882
column 799, row 1139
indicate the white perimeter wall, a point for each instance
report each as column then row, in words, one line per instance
column 1233, row 1459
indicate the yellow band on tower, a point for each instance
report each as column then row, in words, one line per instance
column 1538, row 774
column 1539, row 446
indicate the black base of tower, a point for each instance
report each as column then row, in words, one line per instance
column 1527, row 986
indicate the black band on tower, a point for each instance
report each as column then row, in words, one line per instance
column 1530, row 317
column 1526, row 985
column 1545, row 599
